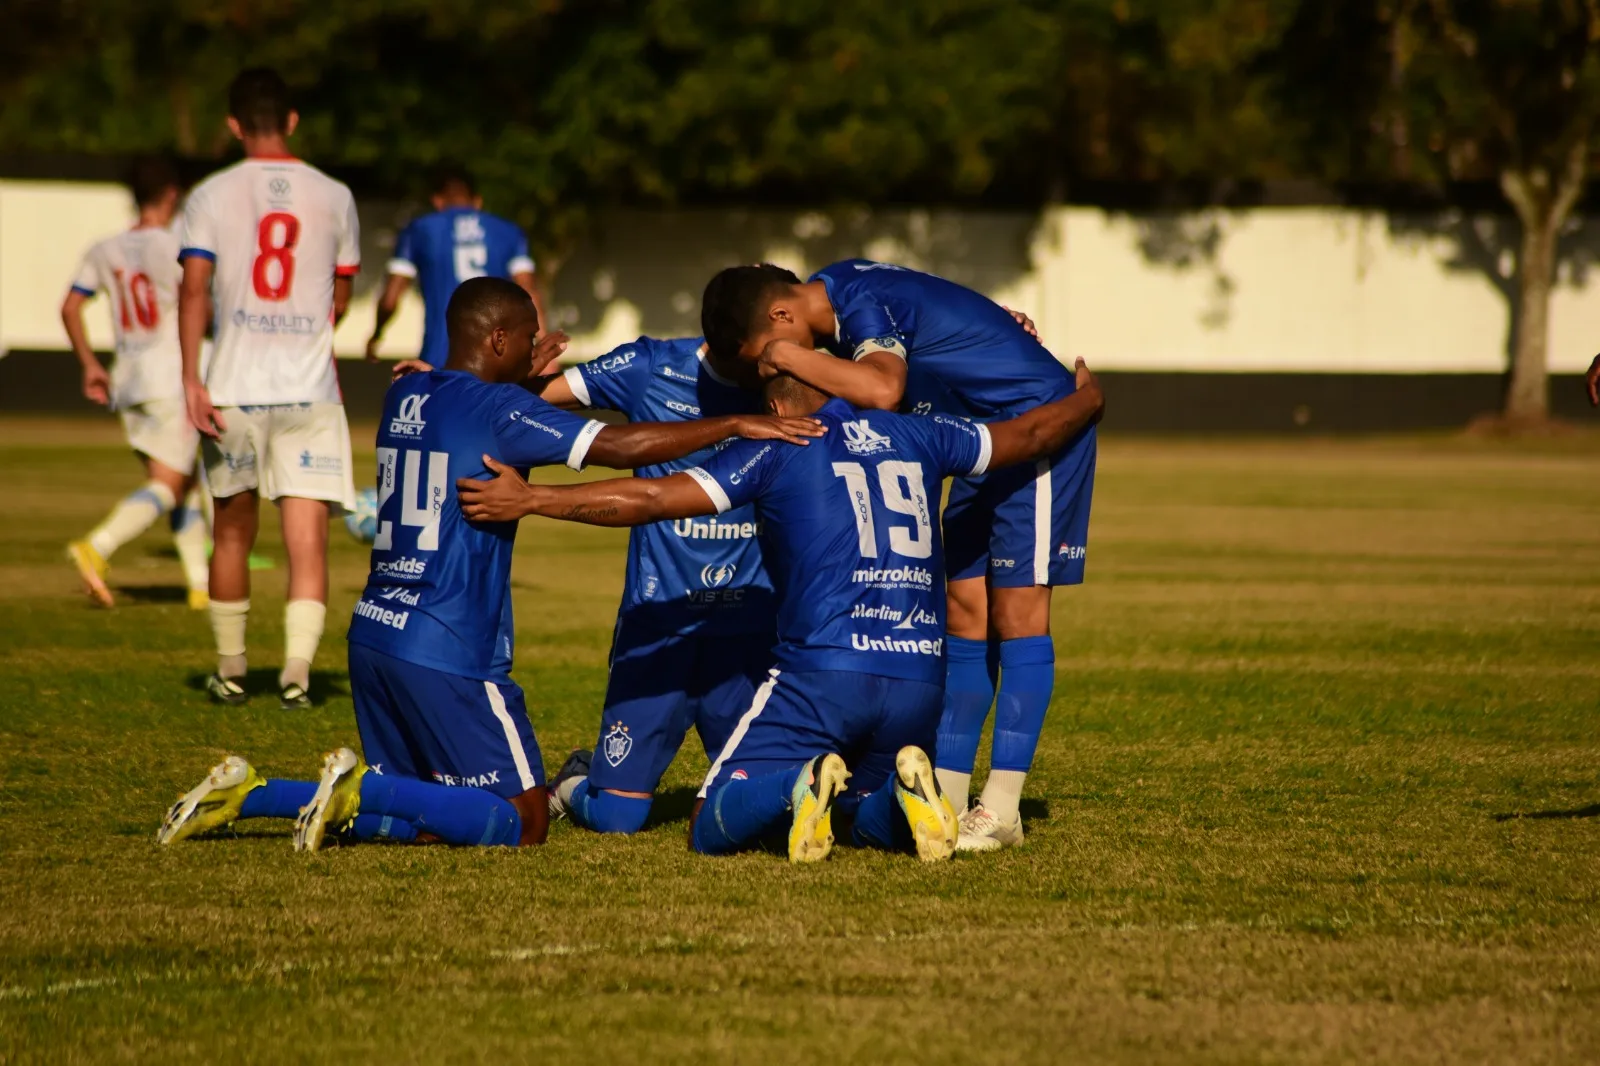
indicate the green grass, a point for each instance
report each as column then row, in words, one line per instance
column 1302, row 690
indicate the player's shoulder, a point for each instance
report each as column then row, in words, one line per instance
column 500, row 223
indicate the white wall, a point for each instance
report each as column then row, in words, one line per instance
column 1270, row 289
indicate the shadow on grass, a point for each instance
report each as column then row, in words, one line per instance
column 671, row 805
column 1591, row 811
column 262, row 682
column 153, row 594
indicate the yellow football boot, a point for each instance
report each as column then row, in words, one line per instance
column 811, row 833
column 933, row 820
column 199, row 599
column 213, row 803
column 336, row 803
column 92, row 568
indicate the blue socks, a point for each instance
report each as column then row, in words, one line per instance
column 968, row 692
column 1027, row 677
column 278, row 799
column 741, row 812
column 607, row 812
column 465, row 816
column 880, row 823
column 382, row 827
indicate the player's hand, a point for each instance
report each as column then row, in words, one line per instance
column 372, row 350
column 97, row 384
column 1592, row 380
column 1024, row 321
column 1085, row 376
column 772, row 427
column 202, row 415
column 774, row 358
column 408, row 366
column 503, row 499
column 547, row 349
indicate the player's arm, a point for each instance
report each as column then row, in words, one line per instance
column 648, row 443
column 627, row 501
column 875, row 379
column 194, row 314
column 394, row 287
column 1046, row 429
column 96, row 382
column 343, row 286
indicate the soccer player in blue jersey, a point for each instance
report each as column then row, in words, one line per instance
column 449, row 750
column 696, row 628
column 918, row 343
column 851, row 540
column 456, row 241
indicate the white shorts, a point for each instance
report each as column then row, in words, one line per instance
column 292, row 449
column 160, row 429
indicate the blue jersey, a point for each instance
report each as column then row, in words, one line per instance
column 439, row 591
column 850, row 532
column 445, row 248
column 695, row 575
column 964, row 353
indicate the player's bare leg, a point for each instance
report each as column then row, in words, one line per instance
column 1019, row 621
column 164, row 487
column 534, row 808
column 968, row 624
column 235, row 521
column 305, row 538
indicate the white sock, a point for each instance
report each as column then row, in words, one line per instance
column 190, row 538
column 1002, row 793
column 228, row 618
column 956, row 786
column 302, row 632
column 568, row 787
column 133, row 514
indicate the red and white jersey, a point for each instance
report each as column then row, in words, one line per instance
column 279, row 231
column 139, row 271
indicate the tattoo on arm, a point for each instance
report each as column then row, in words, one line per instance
column 580, row 512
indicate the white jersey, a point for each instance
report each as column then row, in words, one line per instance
column 279, row 231
column 139, row 270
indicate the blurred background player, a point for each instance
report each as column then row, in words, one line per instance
column 916, row 342
column 277, row 243
column 456, row 241
column 696, row 629
column 139, row 270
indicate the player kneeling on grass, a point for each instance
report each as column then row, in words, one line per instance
column 450, row 752
column 851, row 538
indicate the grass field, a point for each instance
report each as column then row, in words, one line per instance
column 1320, row 783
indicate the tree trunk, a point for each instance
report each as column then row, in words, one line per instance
column 1542, row 201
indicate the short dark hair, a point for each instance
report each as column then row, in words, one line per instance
column 258, row 100
column 791, row 389
column 150, row 177
column 448, row 177
column 479, row 305
column 735, row 301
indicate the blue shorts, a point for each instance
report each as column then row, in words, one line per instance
column 660, row 685
column 1025, row 525
column 798, row 715
column 423, row 723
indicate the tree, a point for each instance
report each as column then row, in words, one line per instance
column 1508, row 88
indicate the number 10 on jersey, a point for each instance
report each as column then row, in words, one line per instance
column 422, row 516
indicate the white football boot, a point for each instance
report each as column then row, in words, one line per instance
column 982, row 830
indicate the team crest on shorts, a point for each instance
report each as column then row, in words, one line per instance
column 616, row 744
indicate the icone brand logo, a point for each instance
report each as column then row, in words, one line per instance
column 738, row 475
column 682, row 408
column 408, row 422
column 404, row 565
column 300, row 325
column 382, row 615
column 1002, row 564
column 862, row 642
column 862, row 439
column 518, row 416
column 717, row 575
column 689, row 529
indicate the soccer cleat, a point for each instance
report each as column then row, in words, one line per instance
column 225, row 690
column 294, row 698
column 199, row 599
column 927, row 809
column 336, row 803
column 213, row 803
column 576, row 766
column 982, row 830
column 811, row 832
column 92, row 569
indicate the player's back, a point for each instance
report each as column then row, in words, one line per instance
column 965, row 354
column 699, row 575
column 444, row 248
column 438, row 592
column 279, row 231
column 138, row 269
column 850, row 535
